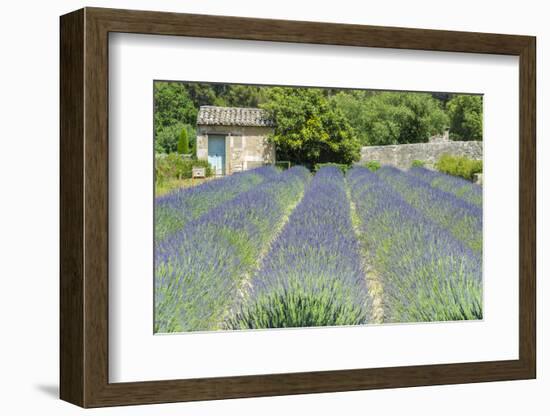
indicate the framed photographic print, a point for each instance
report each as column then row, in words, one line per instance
column 255, row 207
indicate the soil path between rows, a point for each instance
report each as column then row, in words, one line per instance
column 246, row 279
column 374, row 284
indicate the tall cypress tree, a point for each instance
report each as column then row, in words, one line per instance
column 183, row 142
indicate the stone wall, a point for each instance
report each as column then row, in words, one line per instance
column 402, row 155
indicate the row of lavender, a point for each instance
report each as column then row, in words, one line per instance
column 200, row 269
column 461, row 218
column 312, row 275
column 174, row 210
column 429, row 270
column 229, row 267
column 459, row 187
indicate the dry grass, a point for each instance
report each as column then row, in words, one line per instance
column 173, row 184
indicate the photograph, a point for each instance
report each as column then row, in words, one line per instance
column 300, row 207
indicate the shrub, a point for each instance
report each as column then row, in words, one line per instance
column 466, row 117
column 342, row 166
column 167, row 139
column 183, row 143
column 173, row 166
column 418, row 163
column 282, row 164
column 373, row 165
column 459, row 166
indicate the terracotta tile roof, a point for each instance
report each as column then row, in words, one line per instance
column 233, row 116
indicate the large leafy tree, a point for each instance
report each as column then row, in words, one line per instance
column 244, row 96
column 225, row 95
column 382, row 118
column 466, row 117
column 309, row 127
column 205, row 94
column 172, row 105
column 174, row 111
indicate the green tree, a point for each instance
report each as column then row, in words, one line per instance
column 466, row 117
column 381, row 118
column 172, row 105
column 310, row 129
column 244, row 96
column 225, row 95
column 167, row 138
column 205, row 94
column 183, row 142
column 173, row 111
column 192, row 137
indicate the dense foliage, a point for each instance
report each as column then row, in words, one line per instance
column 167, row 138
column 173, row 105
column 310, row 128
column 459, row 166
column 382, row 118
column 466, row 117
column 174, row 166
column 318, row 125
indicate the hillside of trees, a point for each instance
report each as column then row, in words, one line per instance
column 316, row 125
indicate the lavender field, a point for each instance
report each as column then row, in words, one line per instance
column 270, row 249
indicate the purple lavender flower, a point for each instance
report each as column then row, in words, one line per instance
column 461, row 218
column 312, row 275
column 174, row 210
column 199, row 270
column 459, row 187
column 426, row 273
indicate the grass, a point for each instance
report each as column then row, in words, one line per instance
column 170, row 185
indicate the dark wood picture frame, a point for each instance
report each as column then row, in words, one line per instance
column 84, row 207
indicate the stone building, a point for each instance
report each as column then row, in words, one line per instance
column 234, row 139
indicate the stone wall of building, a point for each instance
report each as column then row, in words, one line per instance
column 245, row 147
column 402, row 155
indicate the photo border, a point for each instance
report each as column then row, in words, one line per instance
column 84, row 214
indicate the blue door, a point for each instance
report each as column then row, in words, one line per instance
column 216, row 153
